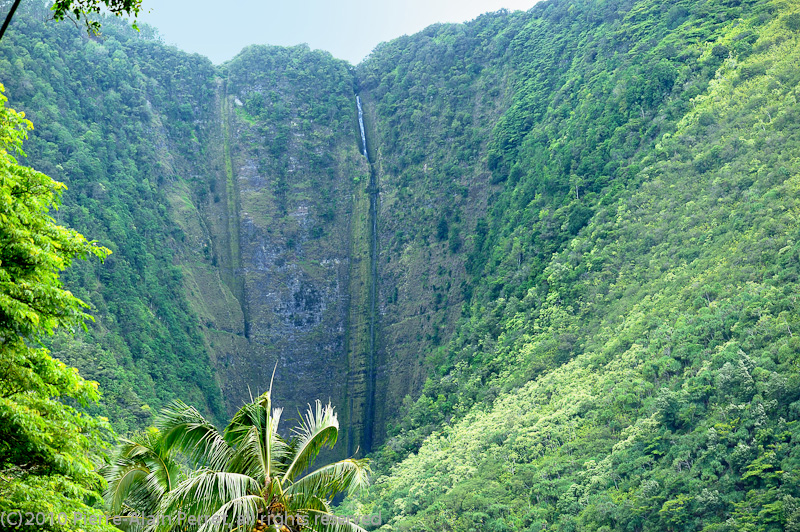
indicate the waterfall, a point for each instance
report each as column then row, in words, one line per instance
column 361, row 126
column 364, row 440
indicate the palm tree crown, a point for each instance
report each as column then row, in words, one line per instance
column 187, row 475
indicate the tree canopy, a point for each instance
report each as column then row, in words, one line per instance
column 48, row 448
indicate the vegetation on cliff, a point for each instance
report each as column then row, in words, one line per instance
column 105, row 129
column 627, row 359
column 588, row 251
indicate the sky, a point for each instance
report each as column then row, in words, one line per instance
column 348, row 29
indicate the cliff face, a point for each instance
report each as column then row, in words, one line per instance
column 270, row 238
column 431, row 102
column 342, row 272
column 275, row 252
column 282, row 225
column 235, row 200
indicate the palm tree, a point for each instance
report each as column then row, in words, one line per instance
column 246, row 478
column 143, row 471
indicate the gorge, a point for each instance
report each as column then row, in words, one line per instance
column 544, row 264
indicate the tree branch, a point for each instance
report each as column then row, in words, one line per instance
column 8, row 18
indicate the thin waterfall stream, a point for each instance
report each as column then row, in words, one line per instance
column 373, row 288
column 361, row 127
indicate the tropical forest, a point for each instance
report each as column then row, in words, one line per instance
column 535, row 271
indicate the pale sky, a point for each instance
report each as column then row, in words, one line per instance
column 348, row 29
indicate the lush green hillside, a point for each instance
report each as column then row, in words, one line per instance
column 106, row 129
column 580, row 118
column 629, row 360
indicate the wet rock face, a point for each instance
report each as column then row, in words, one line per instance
column 294, row 305
column 305, row 306
column 284, row 292
column 289, row 180
column 345, row 316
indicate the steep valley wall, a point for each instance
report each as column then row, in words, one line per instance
column 236, row 202
column 278, row 242
column 277, row 261
column 558, row 292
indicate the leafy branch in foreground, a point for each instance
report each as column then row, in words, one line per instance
column 47, row 448
column 66, row 8
column 83, row 8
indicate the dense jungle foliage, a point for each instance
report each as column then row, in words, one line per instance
column 49, row 449
column 101, row 126
column 588, row 252
column 627, row 358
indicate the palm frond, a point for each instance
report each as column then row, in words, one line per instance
column 141, row 471
column 249, row 457
column 239, row 514
column 249, row 415
column 207, row 492
column 320, row 427
column 344, row 476
column 277, row 446
column 184, row 428
column 253, row 442
column 239, row 474
column 122, row 479
column 312, row 503
column 276, row 418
